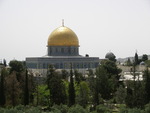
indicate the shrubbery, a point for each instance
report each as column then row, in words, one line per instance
column 74, row 109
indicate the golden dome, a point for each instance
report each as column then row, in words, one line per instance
column 63, row 36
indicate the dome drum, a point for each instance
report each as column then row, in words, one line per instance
column 63, row 51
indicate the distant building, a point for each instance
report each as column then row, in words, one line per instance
column 127, row 72
column 62, row 50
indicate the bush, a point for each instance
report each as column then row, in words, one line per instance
column 2, row 110
column 102, row 109
column 147, row 108
column 11, row 111
column 21, row 109
column 59, row 108
column 33, row 110
column 134, row 110
column 77, row 109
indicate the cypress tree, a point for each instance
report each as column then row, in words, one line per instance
column 57, row 91
column 71, row 89
column 26, row 90
column 50, row 74
column 2, row 90
column 136, row 59
column 4, row 62
column 147, row 85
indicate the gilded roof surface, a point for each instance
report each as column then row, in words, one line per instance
column 63, row 36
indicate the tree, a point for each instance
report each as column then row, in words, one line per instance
column 26, row 90
column 147, row 85
column 71, row 90
column 147, row 62
column 57, row 91
column 78, row 76
column 106, row 81
column 113, row 73
column 2, row 87
column 16, row 66
column 129, row 97
column 93, row 85
column 13, row 89
column 4, row 62
column 135, row 93
column 56, row 87
column 31, row 87
column 65, row 74
column 111, row 67
column 144, row 57
column 136, row 59
column 129, row 62
column 120, row 95
column 51, row 72
column 83, row 96
column 44, row 95
column 103, row 83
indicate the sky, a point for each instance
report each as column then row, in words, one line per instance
column 119, row 26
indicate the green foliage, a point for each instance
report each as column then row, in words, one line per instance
column 33, row 110
column 144, row 57
column 43, row 95
column 16, row 66
column 111, row 68
column 100, row 89
column 13, row 90
column 51, row 72
column 92, row 84
column 71, row 90
column 147, row 85
column 103, row 83
column 135, row 94
column 147, row 62
column 26, row 89
column 60, row 108
column 21, row 109
column 147, row 108
column 78, row 76
column 77, row 109
column 57, row 91
column 120, row 95
column 128, row 62
column 102, row 109
column 65, row 74
column 2, row 110
column 2, row 87
column 136, row 59
column 83, row 96
column 134, row 110
column 122, row 108
column 56, row 87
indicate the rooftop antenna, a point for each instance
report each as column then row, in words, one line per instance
column 63, row 22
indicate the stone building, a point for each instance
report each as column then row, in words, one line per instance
column 62, row 50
